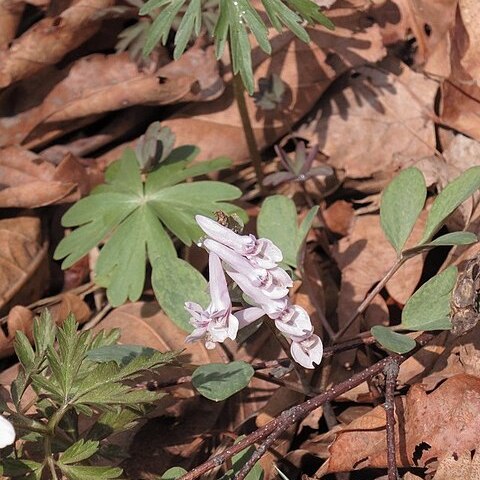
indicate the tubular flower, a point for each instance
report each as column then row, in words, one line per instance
column 252, row 264
column 261, row 251
column 216, row 323
column 7, row 432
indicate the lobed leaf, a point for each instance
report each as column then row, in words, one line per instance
column 78, row 452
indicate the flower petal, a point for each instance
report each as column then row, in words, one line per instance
column 307, row 352
column 224, row 235
column 218, row 285
column 248, row 315
column 7, row 432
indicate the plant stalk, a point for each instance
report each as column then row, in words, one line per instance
column 238, row 91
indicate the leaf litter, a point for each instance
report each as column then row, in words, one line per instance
column 393, row 86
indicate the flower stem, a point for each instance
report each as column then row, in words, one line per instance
column 238, row 91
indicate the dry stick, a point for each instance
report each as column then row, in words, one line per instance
column 400, row 261
column 299, row 412
column 238, row 90
column 296, row 413
column 391, row 373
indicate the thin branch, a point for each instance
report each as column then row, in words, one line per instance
column 391, row 373
column 363, row 306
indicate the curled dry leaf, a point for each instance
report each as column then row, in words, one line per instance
column 460, row 106
column 375, row 120
column 21, row 319
column 28, row 181
column 10, row 16
column 24, row 269
column 419, row 441
column 99, row 83
column 47, row 41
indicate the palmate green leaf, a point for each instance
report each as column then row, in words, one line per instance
column 115, row 419
column 277, row 221
column 132, row 215
column 218, row 381
column 402, row 202
column 79, row 472
column 78, row 452
column 429, row 307
column 393, row 341
column 451, row 197
column 24, row 349
column 15, row 467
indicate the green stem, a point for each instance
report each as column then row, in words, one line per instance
column 238, row 91
column 47, row 441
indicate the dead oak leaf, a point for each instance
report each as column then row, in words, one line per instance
column 28, row 181
column 419, row 440
column 464, row 466
column 375, row 120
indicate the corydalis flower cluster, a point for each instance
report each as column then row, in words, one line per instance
column 252, row 263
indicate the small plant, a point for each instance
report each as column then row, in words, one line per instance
column 73, row 376
column 402, row 201
column 299, row 168
column 236, row 18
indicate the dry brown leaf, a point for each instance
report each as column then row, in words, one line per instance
column 460, row 105
column 28, row 181
column 459, row 466
column 101, row 83
column 456, row 402
column 364, row 257
column 24, row 268
column 375, row 120
column 47, row 41
column 338, row 217
column 10, row 16
column 307, row 71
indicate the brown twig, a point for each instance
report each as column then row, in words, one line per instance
column 391, row 373
column 272, row 430
column 362, row 307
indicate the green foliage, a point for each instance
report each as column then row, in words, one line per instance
column 452, row 196
column 402, row 202
column 69, row 382
column 173, row 473
column 277, row 221
column 235, row 20
column 129, row 212
column 395, row 342
column 218, row 381
column 429, row 307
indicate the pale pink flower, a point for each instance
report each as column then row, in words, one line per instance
column 260, row 251
column 216, row 323
column 308, row 351
column 294, row 322
column 274, row 282
column 7, row 432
